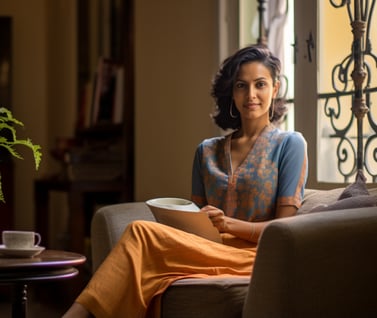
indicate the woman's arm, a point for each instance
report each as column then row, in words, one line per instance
column 246, row 230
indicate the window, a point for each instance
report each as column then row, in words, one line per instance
column 278, row 21
column 316, row 38
column 337, row 126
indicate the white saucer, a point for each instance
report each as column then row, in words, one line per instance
column 21, row 252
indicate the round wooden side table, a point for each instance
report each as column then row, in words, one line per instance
column 49, row 265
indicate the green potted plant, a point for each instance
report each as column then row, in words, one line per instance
column 9, row 141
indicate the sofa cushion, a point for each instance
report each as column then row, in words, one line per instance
column 357, row 188
column 355, row 195
column 314, row 198
column 348, row 203
column 205, row 297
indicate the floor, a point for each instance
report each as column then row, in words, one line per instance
column 45, row 299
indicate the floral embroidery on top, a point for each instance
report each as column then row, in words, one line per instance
column 253, row 189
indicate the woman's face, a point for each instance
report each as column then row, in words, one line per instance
column 254, row 90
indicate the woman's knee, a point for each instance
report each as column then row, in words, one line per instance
column 140, row 228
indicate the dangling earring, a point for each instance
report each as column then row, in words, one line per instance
column 272, row 109
column 231, row 110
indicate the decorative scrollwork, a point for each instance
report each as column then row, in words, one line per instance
column 340, row 74
column 346, row 153
column 371, row 156
column 342, row 4
column 360, row 94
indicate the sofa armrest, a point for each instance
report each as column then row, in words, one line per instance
column 108, row 224
column 316, row 265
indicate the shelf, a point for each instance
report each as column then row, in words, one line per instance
column 102, row 131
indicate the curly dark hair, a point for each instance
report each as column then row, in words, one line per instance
column 222, row 85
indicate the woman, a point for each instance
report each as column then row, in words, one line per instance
column 242, row 181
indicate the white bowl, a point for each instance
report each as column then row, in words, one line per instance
column 173, row 204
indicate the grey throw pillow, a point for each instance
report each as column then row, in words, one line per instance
column 357, row 188
column 348, row 203
column 355, row 195
column 314, row 198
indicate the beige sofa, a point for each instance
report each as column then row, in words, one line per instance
column 312, row 265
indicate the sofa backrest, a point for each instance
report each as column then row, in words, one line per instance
column 316, row 265
column 109, row 223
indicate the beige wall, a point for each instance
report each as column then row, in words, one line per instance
column 29, row 91
column 176, row 56
column 43, row 86
column 176, row 52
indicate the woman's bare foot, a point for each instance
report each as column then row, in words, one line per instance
column 77, row 311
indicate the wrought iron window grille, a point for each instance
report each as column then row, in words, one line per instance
column 352, row 154
column 354, row 83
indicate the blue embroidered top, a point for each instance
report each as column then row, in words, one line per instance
column 273, row 173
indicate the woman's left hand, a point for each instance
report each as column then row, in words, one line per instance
column 217, row 217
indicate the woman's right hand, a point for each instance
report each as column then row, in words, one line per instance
column 217, row 217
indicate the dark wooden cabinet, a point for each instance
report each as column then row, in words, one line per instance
column 112, row 38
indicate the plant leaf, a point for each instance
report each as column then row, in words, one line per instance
column 2, row 199
column 7, row 122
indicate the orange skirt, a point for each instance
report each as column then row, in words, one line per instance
column 149, row 257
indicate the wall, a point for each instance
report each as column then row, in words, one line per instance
column 43, row 96
column 29, row 87
column 176, row 52
column 176, row 57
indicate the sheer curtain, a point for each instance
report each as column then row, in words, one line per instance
column 280, row 39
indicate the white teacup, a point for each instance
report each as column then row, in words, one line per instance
column 21, row 239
